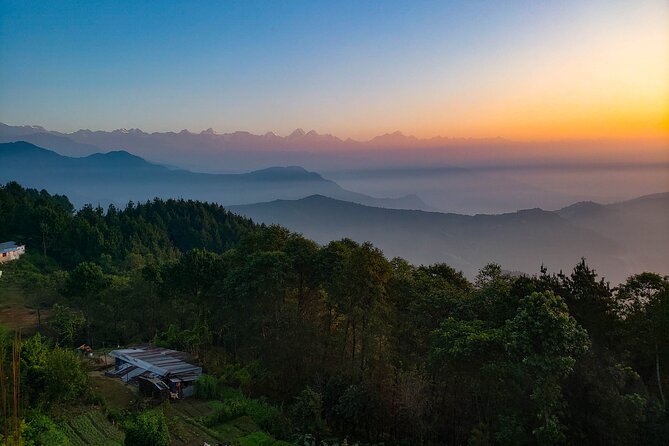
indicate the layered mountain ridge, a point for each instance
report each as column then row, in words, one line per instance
column 118, row 177
column 618, row 239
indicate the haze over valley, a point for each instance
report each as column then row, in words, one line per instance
column 466, row 176
column 526, row 216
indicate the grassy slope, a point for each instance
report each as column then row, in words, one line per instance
column 16, row 307
column 187, row 430
column 91, row 428
column 182, row 416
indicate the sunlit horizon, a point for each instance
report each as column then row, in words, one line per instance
column 523, row 71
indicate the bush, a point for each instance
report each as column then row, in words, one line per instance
column 226, row 411
column 41, row 430
column 268, row 418
column 257, row 439
column 185, row 340
column 66, row 379
column 148, row 429
column 307, row 412
column 206, row 388
column 234, row 375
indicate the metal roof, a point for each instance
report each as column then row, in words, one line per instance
column 8, row 246
column 160, row 361
column 155, row 381
column 184, row 377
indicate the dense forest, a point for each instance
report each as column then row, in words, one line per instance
column 337, row 343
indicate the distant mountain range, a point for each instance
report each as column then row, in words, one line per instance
column 208, row 151
column 618, row 239
column 298, row 140
column 118, row 177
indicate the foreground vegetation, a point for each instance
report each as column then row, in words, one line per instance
column 320, row 345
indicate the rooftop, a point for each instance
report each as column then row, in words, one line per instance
column 8, row 246
column 160, row 361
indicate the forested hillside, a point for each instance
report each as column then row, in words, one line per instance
column 329, row 344
column 156, row 230
column 618, row 239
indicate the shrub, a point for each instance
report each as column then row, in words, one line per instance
column 268, row 418
column 307, row 412
column 257, row 439
column 66, row 378
column 41, row 430
column 206, row 387
column 226, row 411
column 148, row 429
column 234, row 375
column 185, row 340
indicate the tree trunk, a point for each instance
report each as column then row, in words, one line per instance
column 300, row 294
column 353, row 344
column 328, row 336
column 343, row 347
column 88, row 331
column 363, row 344
column 659, row 380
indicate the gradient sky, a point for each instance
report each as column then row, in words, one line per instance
column 514, row 69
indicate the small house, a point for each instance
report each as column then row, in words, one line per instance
column 11, row 251
column 156, row 370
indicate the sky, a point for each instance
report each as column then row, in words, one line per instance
column 524, row 70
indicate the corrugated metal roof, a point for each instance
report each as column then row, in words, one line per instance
column 161, row 361
column 184, row 377
column 8, row 246
column 155, row 381
column 125, row 369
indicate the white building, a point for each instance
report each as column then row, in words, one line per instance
column 11, row 251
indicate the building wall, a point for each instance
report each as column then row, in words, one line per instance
column 188, row 391
column 12, row 255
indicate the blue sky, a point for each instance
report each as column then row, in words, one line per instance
column 352, row 68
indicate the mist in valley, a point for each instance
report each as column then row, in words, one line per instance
column 499, row 189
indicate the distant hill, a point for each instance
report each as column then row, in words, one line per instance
column 209, row 151
column 639, row 226
column 41, row 137
column 118, row 177
column 519, row 241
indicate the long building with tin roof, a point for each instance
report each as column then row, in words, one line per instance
column 150, row 363
column 11, row 251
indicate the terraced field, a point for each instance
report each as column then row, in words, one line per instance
column 184, row 428
column 92, row 428
column 116, row 394
column 183, row 417
column 187, row 431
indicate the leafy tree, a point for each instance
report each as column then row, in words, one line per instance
column 84, row 287
column 67, row 323
column 148, row 429
column 66, row 379
column 307, row 413
column 644, row 305
column 591, row 303
column 42, row 431
column 35, row 356
column 545, row 341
